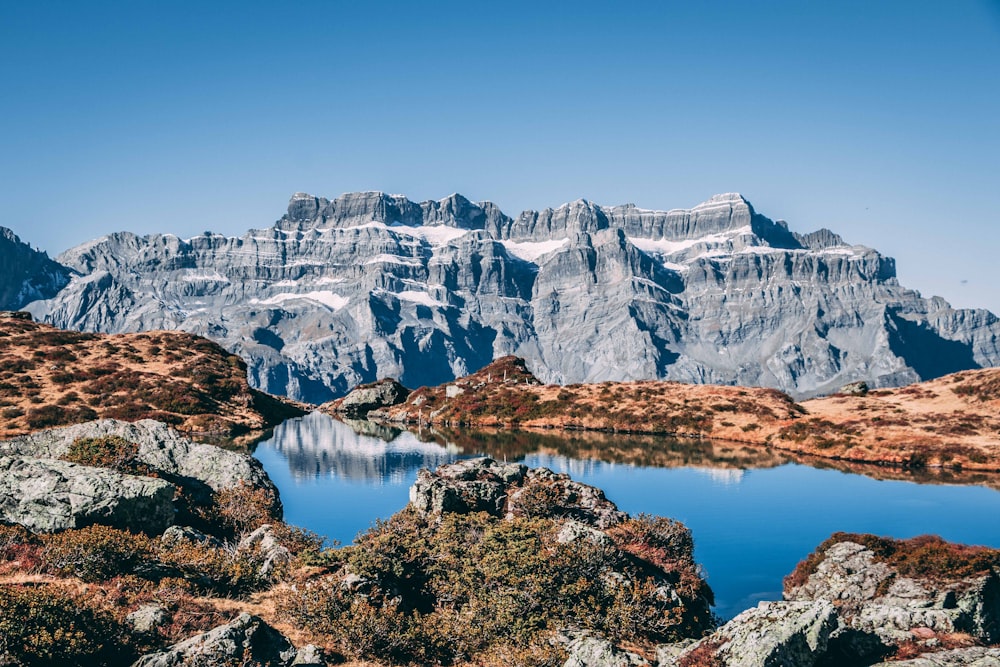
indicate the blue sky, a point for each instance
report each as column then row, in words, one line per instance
column 876, row 119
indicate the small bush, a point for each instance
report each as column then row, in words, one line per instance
column 112, row 451
column 47, row 626
column 244, row 508
column 95, row 553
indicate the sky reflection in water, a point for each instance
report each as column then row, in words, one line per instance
column 751, row 524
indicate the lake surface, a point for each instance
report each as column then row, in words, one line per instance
column 753, row 514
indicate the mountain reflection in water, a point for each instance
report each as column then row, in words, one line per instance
column 318, row 446
column 754, row 512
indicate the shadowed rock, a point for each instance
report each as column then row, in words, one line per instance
column 48, row 495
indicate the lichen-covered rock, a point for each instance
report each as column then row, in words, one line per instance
column 854, row 389
column 367, row 397
column 147, row 618
column 875, row 598
column 197, row 466
column 587, row 651
column 270, row 550
column 973, row 656
column 484, row 485
column 309, row 656
column 48, row 495
column 175, row 534
column 245, row 640
column 772, row 634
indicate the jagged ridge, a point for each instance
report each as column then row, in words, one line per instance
column 369, row 285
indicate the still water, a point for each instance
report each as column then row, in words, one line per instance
column 754, row 514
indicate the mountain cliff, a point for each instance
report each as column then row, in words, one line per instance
column 371, row 285
column 26, row 274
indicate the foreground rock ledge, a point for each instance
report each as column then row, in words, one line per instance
column 49, row 495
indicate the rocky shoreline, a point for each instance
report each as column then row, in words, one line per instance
column 491, row 563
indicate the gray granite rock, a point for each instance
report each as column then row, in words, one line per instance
column 245, row 640
column 875, row 599
column 382, row 394
column 587, row 651
column 271, row 552
column 974, row 656
column 772, row 634
column 343, row 292
column 48, row 495
column 147, row 618
column 161, row 447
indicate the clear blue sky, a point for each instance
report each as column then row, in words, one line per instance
column 880, row 120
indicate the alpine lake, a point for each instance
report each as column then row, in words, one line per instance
column 754, row 513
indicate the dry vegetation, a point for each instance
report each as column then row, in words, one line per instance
column 505, row 394
column 50, row 377
column 951, row 422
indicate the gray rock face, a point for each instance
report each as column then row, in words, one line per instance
column 772, row 634
column 340, row 293
column 46, row 496
column 877, row 600
column 273, row 554
column 509, row 489
column 245, row 640
column 586, row 651
column 381, row 394
column 159, row 446
column 27, row 274
column 974, row 656
column 147, row 618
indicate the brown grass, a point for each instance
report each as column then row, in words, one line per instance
column 50, row 377
column 948, row 423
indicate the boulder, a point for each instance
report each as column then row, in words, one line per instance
column 364, row 398
column 875, row 598
column 199, row 467
column 973, row 656
column 271, row 551
column 309, row 656
column 50, row 495
column 175, row 534
column 509, row 489
column 245, row 640
column 854, row 389
column 587, row 651
column 147, row 618
column 773, row 633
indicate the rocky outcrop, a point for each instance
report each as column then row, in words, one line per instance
column 48, row 495
column 877, row 599
column 27, row 274
column 512, row 489
column 587, row 651
column 773, row 633
column 271, row 553
column 199, row 466
column 245, row 640
column 367, row 397
column 343, row 292
column 973, row 656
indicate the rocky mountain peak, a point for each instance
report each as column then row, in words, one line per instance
column 27, row 274
column 342, row 292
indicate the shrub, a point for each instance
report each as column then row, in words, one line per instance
column 471, row 586
column 95, row 553
column 109, row 451
column 244, row 508
column 222, row 570
column 47, row 626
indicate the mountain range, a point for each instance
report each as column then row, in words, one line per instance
column 370, row 285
